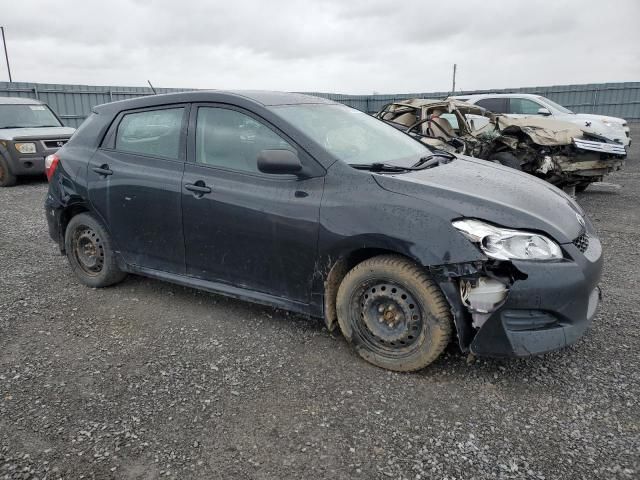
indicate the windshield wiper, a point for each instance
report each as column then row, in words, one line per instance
column 29, row 126
column 379, row 167
column 438, row 157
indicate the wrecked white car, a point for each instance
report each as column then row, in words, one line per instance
column 526, row 105
column 559, row 152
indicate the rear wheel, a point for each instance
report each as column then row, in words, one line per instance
column 394, row 313
column 90, row 253
column 507, row 159
column 7, row 179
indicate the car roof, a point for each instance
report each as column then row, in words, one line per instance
column 450, row 103
column 19, row 101
column 496, row 95
column 261, row 97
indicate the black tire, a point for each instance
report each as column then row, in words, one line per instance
column 507, row 159
column 7, row 179
column 394, row 313
column 581, row 187
column 89, row 252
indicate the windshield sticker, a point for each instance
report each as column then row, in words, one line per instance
column 36, row 107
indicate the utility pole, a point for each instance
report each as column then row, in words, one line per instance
column 453, row 88
column 6, row 55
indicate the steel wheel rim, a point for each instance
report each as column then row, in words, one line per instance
column 88, row 250
column 387, row 318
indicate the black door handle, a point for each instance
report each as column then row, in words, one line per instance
column 103, row 170
column 198, row 188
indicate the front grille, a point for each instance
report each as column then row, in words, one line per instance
column 582, row 242
column 603, row 147
column 54, row 143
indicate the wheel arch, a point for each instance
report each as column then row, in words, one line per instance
column 338, row 270
column 68, row 212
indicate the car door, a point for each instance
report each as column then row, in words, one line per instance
column 135, row 182
column 243, row 227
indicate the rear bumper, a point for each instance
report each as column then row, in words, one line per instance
column 550, row 309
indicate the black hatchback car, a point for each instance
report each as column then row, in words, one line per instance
column 304, row 204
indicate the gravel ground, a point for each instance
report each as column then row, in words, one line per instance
column 149, row 379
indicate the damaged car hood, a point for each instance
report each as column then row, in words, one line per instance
column 468, row 187
column 543, row 131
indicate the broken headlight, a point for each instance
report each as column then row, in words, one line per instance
column 506, row 244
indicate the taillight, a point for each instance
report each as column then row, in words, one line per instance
column 50, row 164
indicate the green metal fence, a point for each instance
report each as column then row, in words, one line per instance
column 74, row 102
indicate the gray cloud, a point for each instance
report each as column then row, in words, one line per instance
column 355, row 46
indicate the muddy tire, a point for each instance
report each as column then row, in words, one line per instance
column 507, row 159
column 90, row 253
column 7, row 179
column 394, row 313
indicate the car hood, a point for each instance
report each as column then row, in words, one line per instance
column 472, row 188
column 602, row 118
column 542, row 130
column 595, row 123
column 36, row 133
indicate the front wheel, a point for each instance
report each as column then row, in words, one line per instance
column 90, row 252
column 394, row 313
column 7, row 179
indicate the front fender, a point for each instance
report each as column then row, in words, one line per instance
column 365, row 220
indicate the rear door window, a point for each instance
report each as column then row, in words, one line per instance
column 495, row 105
column 154, row 132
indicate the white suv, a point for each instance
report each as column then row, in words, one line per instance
column 526, row 104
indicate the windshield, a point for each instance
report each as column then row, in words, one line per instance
column 352, row 136
column 555, row 106
column 25, row 116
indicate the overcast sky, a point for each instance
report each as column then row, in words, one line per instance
column 343, row 46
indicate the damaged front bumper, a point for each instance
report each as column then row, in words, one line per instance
column 548, row 308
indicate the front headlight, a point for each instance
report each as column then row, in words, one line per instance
column 610, row 124
column 26, row 147
column 506, row 244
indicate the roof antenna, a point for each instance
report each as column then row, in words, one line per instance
column 153, row 89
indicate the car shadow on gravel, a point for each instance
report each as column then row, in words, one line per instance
column 31, row 180
column 453, row 364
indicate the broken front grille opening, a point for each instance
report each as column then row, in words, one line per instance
column 582, row 242
column 54, row 143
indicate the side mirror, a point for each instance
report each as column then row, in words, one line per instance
column 544, row 111
column 279, row 162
